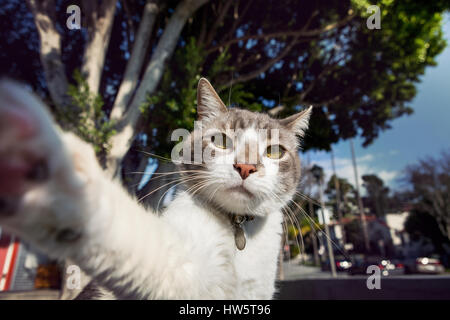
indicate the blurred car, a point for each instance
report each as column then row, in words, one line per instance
column 342, row 264
column 387, row 267
column 425, row 265
column 391, row 267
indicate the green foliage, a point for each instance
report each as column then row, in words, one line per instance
column 346, row 192
column 377, row 194
column 175, row 103
column 292, row 232
column 422, row 224
column 294, row 250
column 429, row 182
column 354, row 234
column 221, row 64
column 90, row 122
column 408, row 41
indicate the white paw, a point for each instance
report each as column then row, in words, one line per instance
column 39, row 190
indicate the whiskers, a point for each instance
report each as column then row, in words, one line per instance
column 165, row 159
column 291, row 212
column 174, row 178
column 152, row 155
column 197, row 180
column 196, row 177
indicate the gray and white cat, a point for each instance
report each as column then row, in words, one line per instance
column 218, row 239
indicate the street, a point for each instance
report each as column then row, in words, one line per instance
column 310, row 283
column 293, row 270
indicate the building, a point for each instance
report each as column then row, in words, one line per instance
column 21, row 268
column 387, row 236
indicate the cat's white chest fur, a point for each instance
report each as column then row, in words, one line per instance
column 250, row 272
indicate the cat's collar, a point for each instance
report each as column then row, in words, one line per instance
column 239, row 235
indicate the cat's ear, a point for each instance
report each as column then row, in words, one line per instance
column 209, row 104
column 298, row 122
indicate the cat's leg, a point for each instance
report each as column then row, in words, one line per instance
column 54, row 195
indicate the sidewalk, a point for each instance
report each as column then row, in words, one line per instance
column 293, row 270
column 30, row 295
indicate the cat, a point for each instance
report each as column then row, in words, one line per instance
column 219, row 238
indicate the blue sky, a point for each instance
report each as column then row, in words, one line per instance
column 425, row 132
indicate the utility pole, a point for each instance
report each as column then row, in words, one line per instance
column 314, row 236
column 318, row 174
column 338, row 199
column 360, row 204
column 311, row 212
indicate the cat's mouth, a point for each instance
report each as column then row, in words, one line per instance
column 241, row 189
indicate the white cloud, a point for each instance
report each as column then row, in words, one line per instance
column 365, row 164
column 388, row 176
column 393, row 152
column 366, row 158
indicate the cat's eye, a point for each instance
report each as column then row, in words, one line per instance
column 275, row 152
column 221, row 140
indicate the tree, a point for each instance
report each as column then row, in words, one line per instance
column 423, row 224
column 348, row 202
column 355, row 236
column 139, row 62
column 377, row 194
column 429, row 182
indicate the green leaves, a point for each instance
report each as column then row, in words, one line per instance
column 90, row 121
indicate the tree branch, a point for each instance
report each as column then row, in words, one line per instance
column 201, row 37
column 131, row 29
column 223, row 10
column 263, row 68
column 251, row 60
column 238, row 18
column 100, row 21
column 50, row 51
column 134, row 65
column 321, row 103
column 296, row 33
column 311, row 86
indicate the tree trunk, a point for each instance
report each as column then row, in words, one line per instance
column 126, row 129
column 50, row 51
column 100, row 19
column 134, row 65
column 314, row 237
column 338, row 199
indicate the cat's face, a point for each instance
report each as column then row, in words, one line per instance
column 249, row 160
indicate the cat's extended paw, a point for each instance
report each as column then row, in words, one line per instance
column 28, row 140
column 36, row 175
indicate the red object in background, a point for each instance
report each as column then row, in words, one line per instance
column 9, row 247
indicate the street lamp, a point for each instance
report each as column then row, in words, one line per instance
column 317, row 173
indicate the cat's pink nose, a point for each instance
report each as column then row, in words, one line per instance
column 244, row 169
